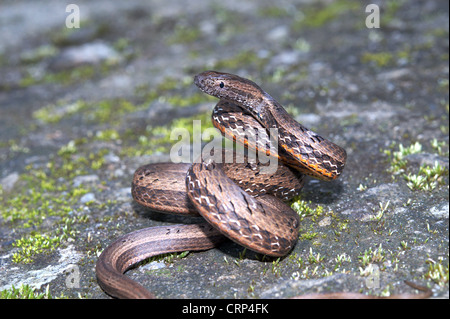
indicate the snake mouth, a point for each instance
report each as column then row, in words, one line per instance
column 212, row 82
column 204, row 84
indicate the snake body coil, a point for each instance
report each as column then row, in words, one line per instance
column 314, row 155
column 237, row 199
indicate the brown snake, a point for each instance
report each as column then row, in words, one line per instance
column 251, row 214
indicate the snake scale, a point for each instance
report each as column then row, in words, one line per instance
column 236, row 198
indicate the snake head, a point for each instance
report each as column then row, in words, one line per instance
column 234, row 89
column 213, row 83
column 231, row 88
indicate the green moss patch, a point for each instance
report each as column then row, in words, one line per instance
column 25, row 292
column 66, row 77
column 380, row 59
column 157, row 138
column 246, row 58
column 427, row 177
column 46, row 202
column 317, row 16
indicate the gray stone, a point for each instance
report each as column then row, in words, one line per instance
column 89, row 53
column 86, row 198
column 9, row 181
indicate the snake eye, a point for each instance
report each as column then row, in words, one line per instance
column 221, row 85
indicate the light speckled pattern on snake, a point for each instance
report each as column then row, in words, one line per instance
column 263, row 224
column 236, row 199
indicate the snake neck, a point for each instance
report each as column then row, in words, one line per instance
column 260, row 107
column 312, row 150
column 272, row 114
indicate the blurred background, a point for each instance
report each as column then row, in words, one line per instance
column 82, row 107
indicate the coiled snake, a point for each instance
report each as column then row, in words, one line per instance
column 250, row 214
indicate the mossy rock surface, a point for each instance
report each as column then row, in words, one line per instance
column 72, row 134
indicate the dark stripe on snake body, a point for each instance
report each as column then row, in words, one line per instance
column 168, row 193
column 168, row 189
column 139, row 245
